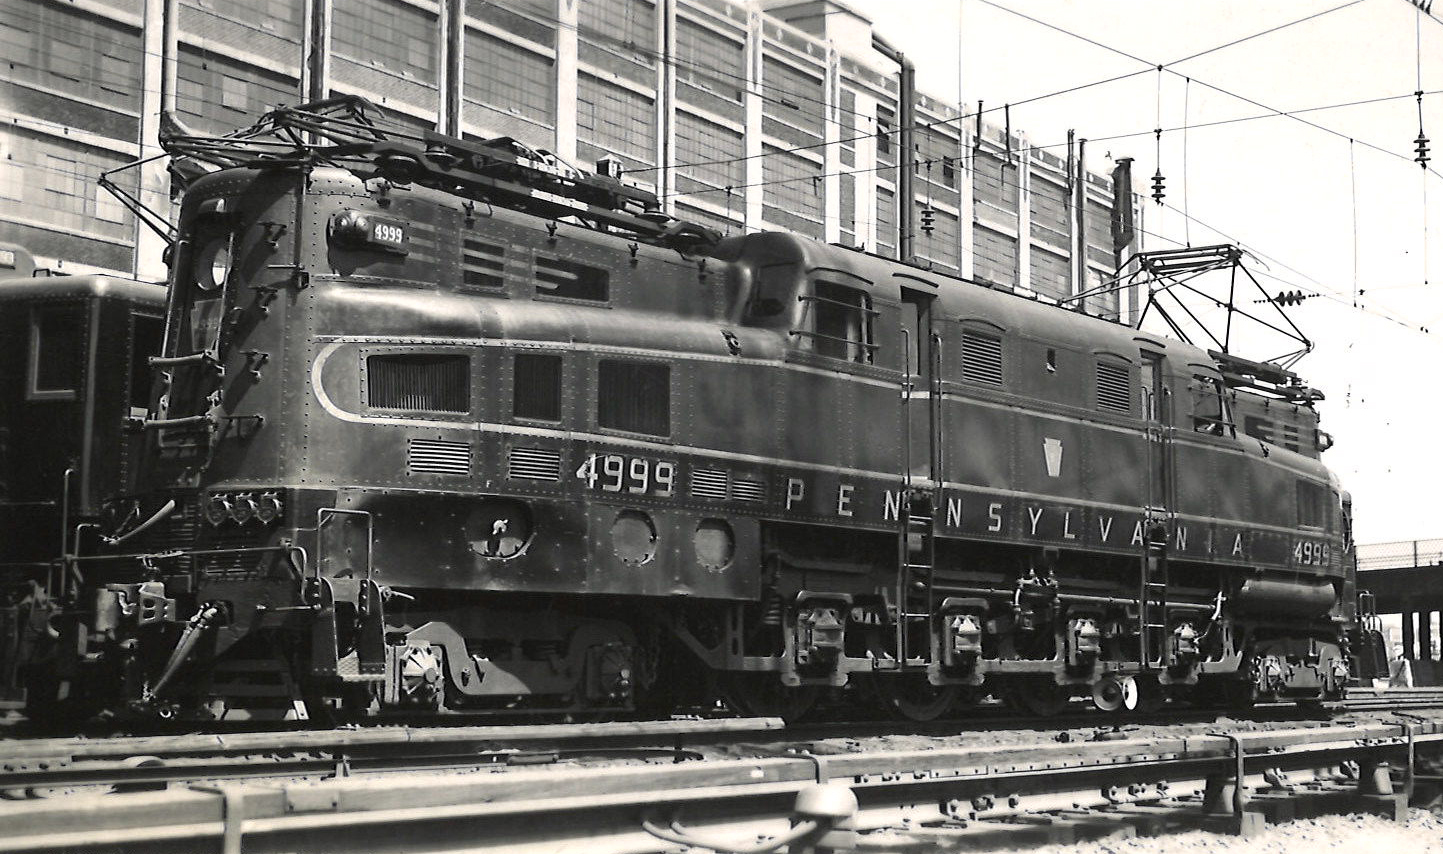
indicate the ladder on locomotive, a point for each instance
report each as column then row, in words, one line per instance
column 916, row 540
column 1152, row 600
column 917, row 556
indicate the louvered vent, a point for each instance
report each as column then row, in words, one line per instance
column 709, row 483
column 437, row 456
column 1114, row 390
column 748, row 490
column 419, row 382
column 534, row 464
column 482, row 264
column 982, row 358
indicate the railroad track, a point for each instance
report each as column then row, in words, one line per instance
column 40, row 767
column 880, row 800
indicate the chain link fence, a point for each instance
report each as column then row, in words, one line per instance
column 1402, row 553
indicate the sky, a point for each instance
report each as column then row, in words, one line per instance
column 1300, row 198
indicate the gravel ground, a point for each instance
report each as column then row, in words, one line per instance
column 1038, row 733
column 1343, row 834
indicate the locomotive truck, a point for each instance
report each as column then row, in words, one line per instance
column 448, row 426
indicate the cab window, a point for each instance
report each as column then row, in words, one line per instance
column 145, row 342
column 57, row 352
column 837, row 320
column 1211, row 413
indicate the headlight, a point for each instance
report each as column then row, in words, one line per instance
column 217, row 509
column 268, row 507
column 243, row 508
column 212, row 263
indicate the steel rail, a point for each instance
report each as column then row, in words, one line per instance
column 35, row 766
column 593, row 809
column 142, row 761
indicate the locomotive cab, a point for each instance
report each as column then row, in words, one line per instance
column 75, row 378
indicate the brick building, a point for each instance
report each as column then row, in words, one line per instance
column 774, row 114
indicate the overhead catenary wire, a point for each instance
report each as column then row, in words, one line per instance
column 1167, row 67
column 1057, row 93
column 1271, row 114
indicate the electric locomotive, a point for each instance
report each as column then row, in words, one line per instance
column 448, row 426
column 74, row 351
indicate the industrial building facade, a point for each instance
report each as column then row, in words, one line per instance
column 743, row 116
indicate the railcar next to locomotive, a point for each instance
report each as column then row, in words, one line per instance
column 447, row 426
column 74, row 350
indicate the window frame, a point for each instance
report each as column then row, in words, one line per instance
column 865, row 314
column 32, row 368
column 539, row 260
column 1224, row 426
column 136, row 315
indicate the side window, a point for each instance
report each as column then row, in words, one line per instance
column 483, row 264
column 536, row 384
column 838, row 322
column 563, row 279
column 1259, row 428
column 1114, row 387
column 1211, row 414
column 773, row 290
column 145, row 341
column 57, row 352
column 634, row 396
column 981, row 357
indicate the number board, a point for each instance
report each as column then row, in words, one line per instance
column 387, row 234
column 616, row 473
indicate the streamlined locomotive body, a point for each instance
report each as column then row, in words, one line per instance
column 445, row 426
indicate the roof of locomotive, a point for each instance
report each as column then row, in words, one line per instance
column 85, row 286
column 962, row 299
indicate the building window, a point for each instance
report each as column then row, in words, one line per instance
column 219, row 93
column 838, row 322
column 700, row 144
column 57, row 352
column 629, row 24
column 616, row 119
column 107, row 206
column 995, row 256
column 396, row 37
column 709, row 60
column 634, row 396
column 58, row 47
column 509, row 78
column 537, row 386
column 792, row 193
